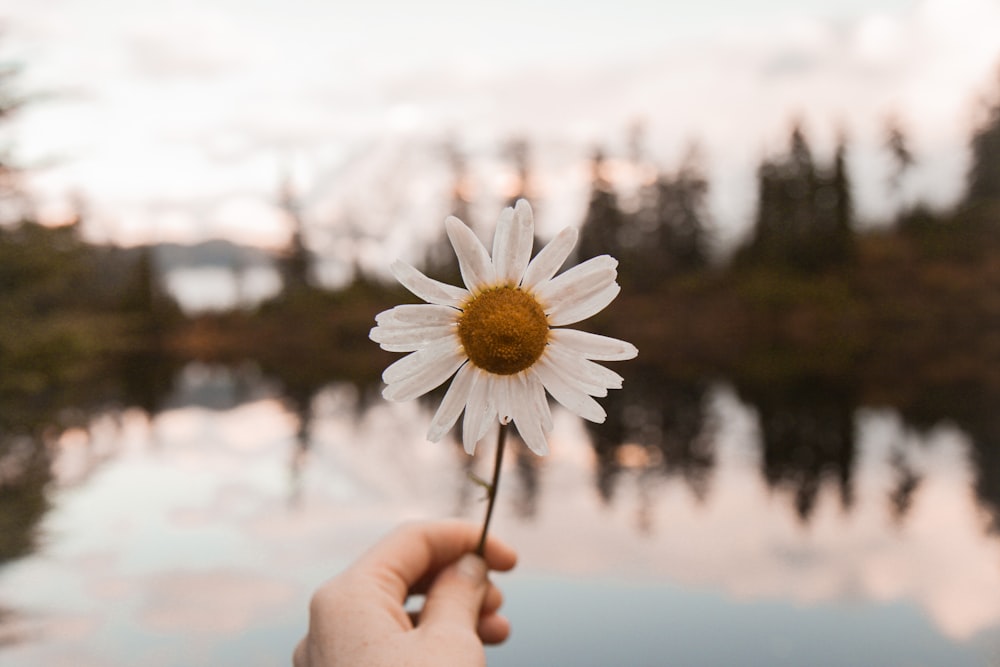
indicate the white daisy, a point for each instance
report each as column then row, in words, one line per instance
column 498, row 335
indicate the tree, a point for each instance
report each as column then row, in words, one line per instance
column 668, row 235
column 683, row 212
column 441, row 261
column 984, row 176
column 518, row 152
column 13, row 206
column 296, row 262
column 899, row 149
column 603, row 226
column 804, row 213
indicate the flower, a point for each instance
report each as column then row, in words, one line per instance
column 500, row 337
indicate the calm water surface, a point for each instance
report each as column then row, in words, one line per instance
column 697, row 535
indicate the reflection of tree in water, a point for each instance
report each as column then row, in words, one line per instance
column 299, row 400
column 520, row 485
column 145, row 380
column 526, row 466
column 24, row 474
column 974, row 409
column 807, row 435
column 31, row 424
column 665, row 418
column 906, row 484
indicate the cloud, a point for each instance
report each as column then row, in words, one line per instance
column 221, row 602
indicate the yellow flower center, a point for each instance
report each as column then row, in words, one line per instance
column 503, row 330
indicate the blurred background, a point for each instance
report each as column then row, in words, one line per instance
column 199, row 202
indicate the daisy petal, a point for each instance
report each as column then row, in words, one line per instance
column 527, row 416
column 570, row 313
column 426, row 378
column 502, row 392
column 491, row 406
column 473, row 260
column 585, row 372
column 477, row 411
column 550, row 258
column 569, row 396
column 501, row 238
column 428, row 289
column 512, row 244
column 452, row 404
column 593, row 346
column 415, row 362
column 533, row 436
column 539, row 401
column 571, row 375
column 417, row 315
column 408, row 339
column 591, row 276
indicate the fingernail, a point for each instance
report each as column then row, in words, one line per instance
column 472, row 567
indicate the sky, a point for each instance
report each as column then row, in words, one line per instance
column 180, row 121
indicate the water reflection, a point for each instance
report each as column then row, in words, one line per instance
column 973, row 408
column 659, row 425
column 190, row 526
column 807, row 436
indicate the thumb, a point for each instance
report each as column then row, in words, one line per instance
column 456, row 596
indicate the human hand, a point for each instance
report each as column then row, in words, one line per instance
column 358, row 619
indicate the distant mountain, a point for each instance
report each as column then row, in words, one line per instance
column 215, row 253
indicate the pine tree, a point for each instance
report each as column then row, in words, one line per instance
column 441, row 262
column 984, row 177
column 804, row 213
column 604, row 225
column 296, row 263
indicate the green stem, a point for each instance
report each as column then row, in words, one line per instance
column 492, row 488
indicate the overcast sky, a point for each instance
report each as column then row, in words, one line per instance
column 177, row 120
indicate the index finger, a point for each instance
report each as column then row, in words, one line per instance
column 412, row 551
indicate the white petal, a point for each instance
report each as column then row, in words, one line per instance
column 550, row 258
column 491, row 405
column 585, row 372
column 418, row 315
column 452, row 404
column 408, row 339
column 426, row 378
column 593, row 346
column 533, row 436
column 501, row 238
column 501, row 391
column 414, row 363
column 512, row 244
column 580, row 310
column 527, row 415
column 571, row 375
column 428, row 289
column 477, row 411
column 569, row 396
column 473, row 260
column 592, row 276
column 539, row 401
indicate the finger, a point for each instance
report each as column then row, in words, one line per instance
column 493, row 629
column 299, row 656
column 409, row 557
column 492, row 602
column 456, row 598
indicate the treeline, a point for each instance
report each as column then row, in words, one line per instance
column 64, row 298
column 66, row 301
column 804, row 221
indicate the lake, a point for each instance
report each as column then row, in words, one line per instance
column 704, row 524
